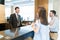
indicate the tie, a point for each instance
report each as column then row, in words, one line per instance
column 18, row 19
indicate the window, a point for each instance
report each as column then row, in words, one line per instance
column 26, row 10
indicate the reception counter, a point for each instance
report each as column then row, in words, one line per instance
column 24, row 32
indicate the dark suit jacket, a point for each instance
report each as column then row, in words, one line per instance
column 13, row 20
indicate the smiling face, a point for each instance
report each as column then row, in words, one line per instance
column 51, row 14
column 17, row 10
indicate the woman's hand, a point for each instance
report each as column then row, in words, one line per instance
column 35, row 28
column 33, row 24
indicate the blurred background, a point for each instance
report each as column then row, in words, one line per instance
column 28, row 10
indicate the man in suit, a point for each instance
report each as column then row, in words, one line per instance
column 15, row 20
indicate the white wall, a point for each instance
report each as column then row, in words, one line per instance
column 50, row 7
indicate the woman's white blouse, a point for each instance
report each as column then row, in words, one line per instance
column 43, row 32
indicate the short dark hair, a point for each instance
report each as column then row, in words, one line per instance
column 16, row 8
column 53, row 11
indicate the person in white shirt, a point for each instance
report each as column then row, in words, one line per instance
column 40, row 26
column 54, row 25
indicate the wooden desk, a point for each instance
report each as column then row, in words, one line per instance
column 2, row 33
column 4, row 26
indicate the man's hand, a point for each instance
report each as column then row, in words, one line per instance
column 51, row 22
column 16, row 33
